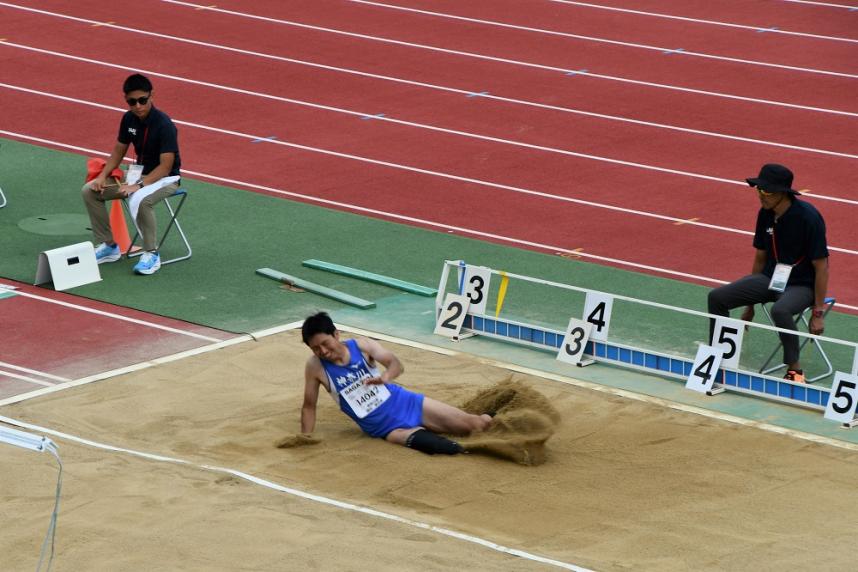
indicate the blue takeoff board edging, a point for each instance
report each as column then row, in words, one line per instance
column 739, row 381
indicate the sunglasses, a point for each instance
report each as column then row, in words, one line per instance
column 764, row 193
column 132, row 101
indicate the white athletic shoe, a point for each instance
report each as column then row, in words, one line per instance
column 149, row 263
column 105, row 253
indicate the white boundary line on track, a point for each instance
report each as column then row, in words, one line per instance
column 825, row 4
column 150, row 363
column 117, row 317
column 660, row 49
column 467, row 54
column 25, row 378
column 300, row 494
column 33, row 371
column 710, row 22
column 588, row 39
column 123, row 370
column 389, row 119
column 429, row 223
column 479, row 182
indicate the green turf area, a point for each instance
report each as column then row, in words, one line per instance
column 235, row 232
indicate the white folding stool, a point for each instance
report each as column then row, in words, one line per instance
column 829, row 304
column 174, row 221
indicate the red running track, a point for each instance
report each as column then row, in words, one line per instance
column 479, row 206
column 76, row 338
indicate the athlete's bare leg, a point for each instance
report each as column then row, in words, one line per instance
column 442, row 418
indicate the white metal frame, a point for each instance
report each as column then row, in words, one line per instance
column 829, row 304
column 729, row 386
column 174, row 213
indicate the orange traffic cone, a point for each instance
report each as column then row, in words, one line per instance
column 118, row 227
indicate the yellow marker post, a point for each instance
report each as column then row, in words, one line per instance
column 501, row 293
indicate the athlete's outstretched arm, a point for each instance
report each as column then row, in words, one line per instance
column 393, row 368
column 311, row 395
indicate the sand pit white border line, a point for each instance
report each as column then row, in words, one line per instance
column 146, row 364
column 301, row 494
column 436, row 349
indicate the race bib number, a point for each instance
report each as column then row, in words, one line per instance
column 365, row 398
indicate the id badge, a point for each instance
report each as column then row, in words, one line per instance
column 780, row 277
column 133, row 174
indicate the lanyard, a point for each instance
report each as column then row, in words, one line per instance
column 143, row 147
column 775, row 250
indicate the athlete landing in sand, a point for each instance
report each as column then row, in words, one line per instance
column 348, row 372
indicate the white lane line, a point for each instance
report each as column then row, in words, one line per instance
column 25, row 378
column 467, row 231
column 33, row 371
column 709, row 22
column 118, row 317
column 386, row 118
column 123, row 370
column 300, row 494
column 479, row 182
column 544, row 31
column 468, row 54
column 825, row 4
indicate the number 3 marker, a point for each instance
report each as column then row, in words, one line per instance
column 477, row 281
column 574, row 342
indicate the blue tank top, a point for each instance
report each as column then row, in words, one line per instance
column 357, row 400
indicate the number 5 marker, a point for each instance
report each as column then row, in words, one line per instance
column 843, row 399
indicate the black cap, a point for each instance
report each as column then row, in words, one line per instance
column 774, row 178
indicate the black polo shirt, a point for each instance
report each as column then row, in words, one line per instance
column 797, row 238
column 155, row 135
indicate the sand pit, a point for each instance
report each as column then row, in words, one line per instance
column 621, row 485
column 524, row 420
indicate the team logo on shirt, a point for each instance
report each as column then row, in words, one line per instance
column 770, row 230
column 132, row 131
column 350, row 378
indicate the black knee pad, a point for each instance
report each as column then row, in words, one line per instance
column 430, row 443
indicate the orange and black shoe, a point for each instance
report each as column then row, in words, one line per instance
column 795, row 375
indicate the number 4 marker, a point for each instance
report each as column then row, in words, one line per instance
column 705, row 369
column 597, row 311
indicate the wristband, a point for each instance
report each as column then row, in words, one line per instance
column 818, row 313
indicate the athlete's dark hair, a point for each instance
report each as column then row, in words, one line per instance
column 136, row 82
column 320, row 323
